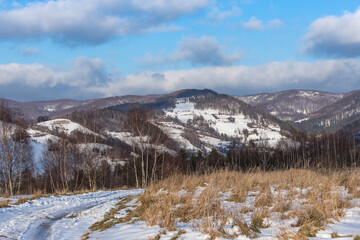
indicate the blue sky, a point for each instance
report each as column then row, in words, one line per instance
column 83, row 49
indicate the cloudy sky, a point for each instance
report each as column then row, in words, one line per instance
column 84, row 49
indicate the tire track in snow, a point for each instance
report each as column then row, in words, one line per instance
column 42, row 228
column 64, row 217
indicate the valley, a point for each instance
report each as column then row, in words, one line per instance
column 144, row 142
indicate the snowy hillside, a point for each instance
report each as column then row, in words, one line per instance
column 224, row 124
column 335, row 116
column 39, row 143
column 65, row 126
column 176, row 132
column 140, row 142
column 292, row 104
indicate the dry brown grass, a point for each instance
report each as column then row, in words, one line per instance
column 5, row 203
column 5, row 195
column 36, row 195
column 257, row 221
column 238, row 196
column 162, row 204
column 178, row 234
column 264, row 198
column 109, row 219
column 85, row 236
column 159, row 209
column 164, row 208
column 243, row 228
column 310, row 221
column 285, row 234
column 281, row 205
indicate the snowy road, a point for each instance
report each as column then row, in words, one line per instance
column 64, row 217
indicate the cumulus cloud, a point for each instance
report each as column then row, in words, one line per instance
column 82, row 72
column 203, row 51
column 86, row 78
column 275, row 24
column 330, row 75
column 217, row 15
column 335, row 36
column 257, row 24
column 253, row 24
column 91, row 21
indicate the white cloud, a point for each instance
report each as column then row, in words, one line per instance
column 255, row 24
column 217, row 15
column 83, row 72
column 91, row 21
column 335, row 36
column 330, row 75
column 275, row 24
column 89, row 77
column 202, row 51
column 164, row 28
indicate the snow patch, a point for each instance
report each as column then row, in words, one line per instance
column 65, row 125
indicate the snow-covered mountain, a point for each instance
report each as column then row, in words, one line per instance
column 193, row 119
column 292, row 105
column 190, row 119
column 204, row 119
column 335, row 116
column 202, row 123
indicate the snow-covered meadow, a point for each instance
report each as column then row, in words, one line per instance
column 294, row 204
column 58, row 217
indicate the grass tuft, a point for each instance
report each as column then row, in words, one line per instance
column 5, row 203
column 36, row 195
column 257, row 221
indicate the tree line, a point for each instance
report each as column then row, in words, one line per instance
column 146, row 154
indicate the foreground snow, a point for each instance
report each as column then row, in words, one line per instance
column 69, row 217
column 346, row 228
column 64, row 217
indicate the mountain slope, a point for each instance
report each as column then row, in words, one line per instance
column 58, row 108
column 335, row 116
column 291, row 104
column 204, row 119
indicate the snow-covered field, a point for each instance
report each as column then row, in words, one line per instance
column 70, row 217
column 345, row 229
column 63, row 217
column 219, row 210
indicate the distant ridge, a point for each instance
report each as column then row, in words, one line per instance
column 292, row 105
